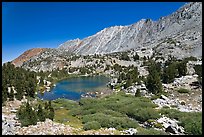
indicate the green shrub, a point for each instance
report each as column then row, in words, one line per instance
column 76, row 111
column 166, row 106
column 158, row 125
column 173, row 106
column 116, row 110
column 92, row 125
column 183, row 90
column 68, row 104
column 191, row 58
column 112, row 113
column 110, row 121
column 151, row 131
column 192, row 123
column 154, row 97
column 143, row 114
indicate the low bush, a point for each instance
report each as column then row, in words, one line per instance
column 119, row 110
column 158, row 125
column 151, row 131
column 92, row 125
column 183, row 90
column 192, row 123
column 143, row 114
column 110, row 121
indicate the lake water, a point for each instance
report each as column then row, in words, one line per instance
column 73, row 88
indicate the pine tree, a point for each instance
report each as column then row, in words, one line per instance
column 11, row 95
column 46, row 106
column 27, row 115
column 124, row 56
column 136, row 57
column 41, row 81
column 170, row 72
column 51, row 113
column 50, row 110
column 182, row 69
column 121, row 77
column 128, row 83
column 138, row 93
column 40, row 113
column 153, row 82
column 4, row 94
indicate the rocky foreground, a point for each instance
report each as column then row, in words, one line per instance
column 11, row 126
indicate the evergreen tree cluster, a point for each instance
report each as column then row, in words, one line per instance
column 59, row 73
column 129, row 74
column 29, row 115
column 131, row 77
column 124, row 56
column 23, row 81
column 84, row 70
column 174, row 69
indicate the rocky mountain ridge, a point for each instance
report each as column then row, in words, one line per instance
column 27, row 55
column 183, row 25
column 178, row 35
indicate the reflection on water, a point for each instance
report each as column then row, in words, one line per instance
column 73, row 88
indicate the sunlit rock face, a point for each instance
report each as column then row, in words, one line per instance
column 178, row 35
column 183, row 26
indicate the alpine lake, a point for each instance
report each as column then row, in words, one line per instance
column 75, row 88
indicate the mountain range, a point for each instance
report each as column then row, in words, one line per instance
column 178, row 34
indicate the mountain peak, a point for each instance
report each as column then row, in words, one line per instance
column 27, row 55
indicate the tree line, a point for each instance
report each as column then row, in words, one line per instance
column 23, row 81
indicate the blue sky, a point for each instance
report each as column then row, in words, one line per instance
column 27, row 25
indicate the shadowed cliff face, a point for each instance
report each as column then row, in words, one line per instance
column 27, row 55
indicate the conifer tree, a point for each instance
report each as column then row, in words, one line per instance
column 40, row 113
column 182, row 69
column 170, row 72
column 138, row 93
column 153, row 82
column 136, row 57
column 41, row 81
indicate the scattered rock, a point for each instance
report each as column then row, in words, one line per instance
column 131, row 131
column 164, row 97
column 170, row 125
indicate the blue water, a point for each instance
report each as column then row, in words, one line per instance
column 73, row 88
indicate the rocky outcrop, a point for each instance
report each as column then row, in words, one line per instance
column 133, row 89
column 8, row 125
column 9, row 119
column 171, row 125
column 175, row 103
column 130, row 131
column 45, row 128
